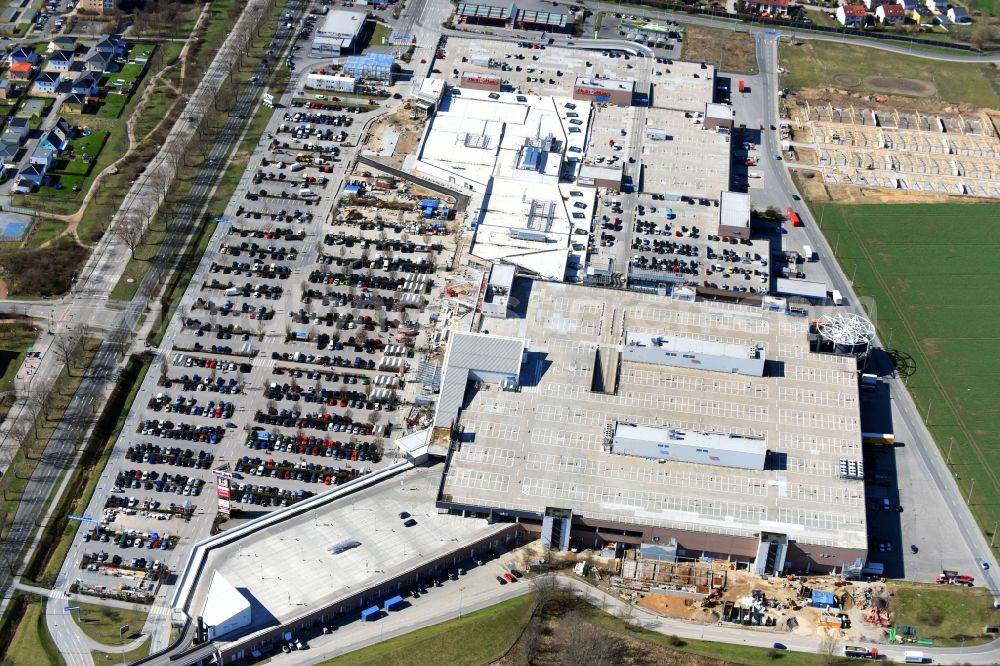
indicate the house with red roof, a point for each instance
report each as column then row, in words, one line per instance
column 851, row 15
column 771, row 7
column 890, row 14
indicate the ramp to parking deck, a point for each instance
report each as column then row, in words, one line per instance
column 461, row 200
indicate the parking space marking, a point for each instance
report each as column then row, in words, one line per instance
column 475, row 479
column 818, row 398
column 646, row 377
column 823, row 422
column 803, row 373
column 686, row 478
column 490, row 430
column 818, row 444
column 485, row 455
column 649, row 503
column 715, row 319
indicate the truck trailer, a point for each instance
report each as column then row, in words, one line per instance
column 860, row 652
column 913, row 657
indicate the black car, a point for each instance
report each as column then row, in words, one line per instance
column 403, row 515
column 410, row 523
column 914, row 549
column 501, row 580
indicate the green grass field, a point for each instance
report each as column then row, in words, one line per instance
column 932, row 272
column 103, row 622
column 44, row 231
column 948, row 615
column 474, row 639
column 813, row 63
column 32, row 644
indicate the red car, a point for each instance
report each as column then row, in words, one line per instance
column 507, row 577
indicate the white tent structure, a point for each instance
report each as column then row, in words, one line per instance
column 226, row 609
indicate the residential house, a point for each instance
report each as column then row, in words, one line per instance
column 43, row 157
column 771, row 7
column 58, row 137
column 20, row 71
column 872, row 5
column 8, row 90
column 908, row 5
column 851, row 15
column 95, row 61
column 31, row 176
column 17, row 131
column 890, row 14
column 86, row 85
column 111, row 45
column 62, row 43
column 99, row 6
column 60, row 61
column 937, row 6
column 921, row 15
column 73, row 104
column 45, row 84
column 8, row 153
column 959, row 15
column 22, row 54
column 32, row 108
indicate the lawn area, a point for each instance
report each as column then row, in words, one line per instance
column 15, row 341
column 112, row 105
column 484, row 636
column 44, row 231
column 940, row 305
column 32, row 644
column 380, row 35
column 947, row 614
column 474, row 639
column 728, row 50
column 812, row 63
column 130, row 73
column 82, row 146
column 103, row 622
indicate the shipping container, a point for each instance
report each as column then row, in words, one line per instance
column 743, row 85
column 394, row 603
column 794, row 218
column 370, row 614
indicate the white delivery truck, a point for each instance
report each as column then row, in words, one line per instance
column 753, row 174
column 807, row 252
column 838, row 298
column 913, row 657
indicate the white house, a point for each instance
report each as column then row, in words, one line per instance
column 852, row 15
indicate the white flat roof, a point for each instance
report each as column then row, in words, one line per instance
column 684, row 345
column 605, row 84
column 734, row 209
column 715, row 440
column 341, row 24
column 288, row 567
column 719, row 111
column 796, row 287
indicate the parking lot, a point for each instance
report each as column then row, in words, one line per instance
column 291, row 362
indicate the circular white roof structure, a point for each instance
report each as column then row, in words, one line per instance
column 847, row 330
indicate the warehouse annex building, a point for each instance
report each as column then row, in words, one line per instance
column 712, row 428
column 520, row 154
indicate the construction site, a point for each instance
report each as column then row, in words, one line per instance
column 712, row 592
column 883, row 148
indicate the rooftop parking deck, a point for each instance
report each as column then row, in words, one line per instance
column 543, row 446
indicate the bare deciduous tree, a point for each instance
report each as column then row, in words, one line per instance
column 129, row 231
